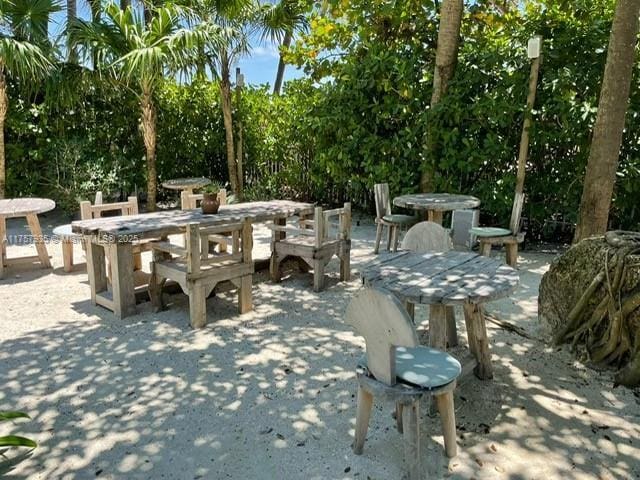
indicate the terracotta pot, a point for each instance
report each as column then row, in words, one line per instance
column 210, row 203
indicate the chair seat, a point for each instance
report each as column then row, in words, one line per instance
column 423, row 366
column 489, row 232
column 399, row 219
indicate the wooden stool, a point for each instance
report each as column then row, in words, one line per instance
column 67, row 239
column 397, row 368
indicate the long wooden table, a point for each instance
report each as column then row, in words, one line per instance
column 441, row 279
column 113, row 238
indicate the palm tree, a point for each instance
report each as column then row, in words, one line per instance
column 235, row 20
column 600, row 177
column 24, row 53
column 280, row 23
column 451, row 12
column 140, row 55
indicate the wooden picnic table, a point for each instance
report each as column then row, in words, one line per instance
column 113, row 237
column 28, row 208
column 435, row 204
column 441, row 279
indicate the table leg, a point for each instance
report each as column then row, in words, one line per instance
column 122, row 279
column 36, row 231
column 3, row 245
column 96, row 268
column 438, row 326
column 478, row 340
column 435, row 216
column 67, row 254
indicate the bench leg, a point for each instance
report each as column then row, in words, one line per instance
column 197, row 306
column 318, row 275
column 244, row 295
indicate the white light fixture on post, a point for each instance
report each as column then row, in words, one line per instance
column 534, row 52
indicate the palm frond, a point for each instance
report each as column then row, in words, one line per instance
column 24, row 59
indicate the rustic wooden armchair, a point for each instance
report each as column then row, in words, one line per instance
column 198, row 270
column 429, row 237
column 510, row 238
column 396, row 367
column 384, row 218
column 130, row 207
column 191, row 201
column 315, row 242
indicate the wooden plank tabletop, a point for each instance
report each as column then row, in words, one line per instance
column 21, row 207
column 152, row 225
column 441, row 278
column 436, row 201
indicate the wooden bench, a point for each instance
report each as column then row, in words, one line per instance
column 314, row 242
column 198, row 270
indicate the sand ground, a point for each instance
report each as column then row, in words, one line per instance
column 270, row 394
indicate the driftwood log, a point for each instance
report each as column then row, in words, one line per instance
column 590, row 299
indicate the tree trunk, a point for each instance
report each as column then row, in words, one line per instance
column 227, row 115
column 124, row 4
column 4, row 106
column 149, row 120
column 277, row 86
column 600, row 175
column 239, row 145
column 72, row 9
column 446, row 59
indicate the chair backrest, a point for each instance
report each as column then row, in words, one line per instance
column 330, row 225
column 190, row 201
column 197, row 242
column 385, row 324
column 427, row 237
column 88, row 211
column 383, row 201
column 516, row 212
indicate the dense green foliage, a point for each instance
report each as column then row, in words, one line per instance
column 362, row 117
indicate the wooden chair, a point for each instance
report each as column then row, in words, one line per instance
column 130, row 207
column 396, row 367
column 425, row 237
column 198, row 271
column 428, row 237
column 384, row 217
column 191, row 201
column 314, row 243
column 510, row 238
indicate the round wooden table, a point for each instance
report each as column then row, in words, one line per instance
column 28, row 208
column 186, row 184
column 442, row 279
column 435, row 204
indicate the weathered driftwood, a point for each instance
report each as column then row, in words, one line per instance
column 590, row 298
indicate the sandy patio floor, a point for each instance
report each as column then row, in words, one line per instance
column 270, row 394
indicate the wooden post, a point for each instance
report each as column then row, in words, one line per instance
column 239, row 85
column 536, row 60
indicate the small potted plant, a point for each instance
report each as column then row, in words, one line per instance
column 210, row 203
